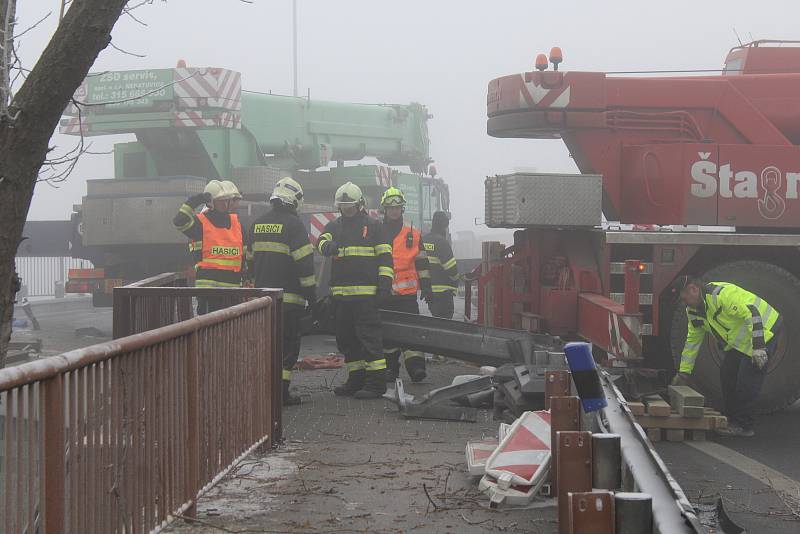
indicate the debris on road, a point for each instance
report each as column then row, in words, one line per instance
column 331, row 361
column 91, row 331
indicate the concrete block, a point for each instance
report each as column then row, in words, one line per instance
column 657, row 407
column 637, row 408
column 654, row 434
column 680, row 396
column 698, row 435
column 675, row 435
column 692, row 411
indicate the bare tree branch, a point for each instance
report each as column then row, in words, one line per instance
column 129, row 14
column 31, row 27
column 118, row 49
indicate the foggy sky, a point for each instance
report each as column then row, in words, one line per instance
column 440, row 53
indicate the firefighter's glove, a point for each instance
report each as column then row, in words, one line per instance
column 427, row 295
column 198, row 200
column 680, row 379
column 330, row 248
column 760, row 359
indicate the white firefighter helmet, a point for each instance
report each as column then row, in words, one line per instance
column 289, row 192
column 348, row 194
column 215, row 189
column 231, row 191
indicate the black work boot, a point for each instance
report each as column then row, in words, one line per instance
column 355, row 381
column 415, row 366
column 289, row 398
column 392, row 367
column 374, row 385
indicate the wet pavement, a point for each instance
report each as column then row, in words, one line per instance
column 356, row 466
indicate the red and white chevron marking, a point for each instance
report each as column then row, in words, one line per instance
column 523, row 457
column 477, row 453
column 534, row 95
column 624, row 334
column 191, row 119
column 227, row 119
column 212, row 87
column 318, row 221
column 383, row 176
column 73, row 126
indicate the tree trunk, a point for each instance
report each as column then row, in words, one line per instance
column 33, row 116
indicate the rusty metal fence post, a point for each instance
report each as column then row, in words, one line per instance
column 276, row 372
column 193, row 422
column 574, row 472
column 564, row 415
column 592, row 513
column 54, row 469
column 556, row 384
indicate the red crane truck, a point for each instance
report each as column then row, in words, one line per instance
column 717, row 151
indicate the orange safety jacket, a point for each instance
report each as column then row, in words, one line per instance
column 222, row 247
column 406, row 278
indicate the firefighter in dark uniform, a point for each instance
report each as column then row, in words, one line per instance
column 745, row 327
column 361, row 274
column 411, row 275
column 282, row 256
column 444, row 272
column 216, row 242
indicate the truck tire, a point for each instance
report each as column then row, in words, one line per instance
column 782, row 290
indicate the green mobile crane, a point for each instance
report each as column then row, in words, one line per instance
column 197, row 124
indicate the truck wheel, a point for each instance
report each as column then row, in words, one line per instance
column 782, row 290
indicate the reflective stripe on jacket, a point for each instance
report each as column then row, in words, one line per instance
column 739, row 320
column 444, row 272
column 364, row 261
column 282, row 255
column 222, row 247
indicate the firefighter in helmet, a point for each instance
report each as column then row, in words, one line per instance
column 411, row 276
column 361, row 274
column 444, row 272
column 282, row 256
column 745, row 327
column 233, row 193
column 216, row 241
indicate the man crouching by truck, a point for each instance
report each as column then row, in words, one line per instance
column 217, row 241
column 746, row 327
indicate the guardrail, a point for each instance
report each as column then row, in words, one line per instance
column 123, row 436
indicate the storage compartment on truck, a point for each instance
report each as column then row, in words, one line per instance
column 522, row 199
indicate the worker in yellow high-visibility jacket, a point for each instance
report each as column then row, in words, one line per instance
column 745, row 327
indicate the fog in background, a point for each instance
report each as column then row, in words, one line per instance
column 440, row 53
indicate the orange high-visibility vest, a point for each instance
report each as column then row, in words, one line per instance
column 222, row 247
column 406, row 279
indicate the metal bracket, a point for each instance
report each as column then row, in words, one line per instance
column 434, row 404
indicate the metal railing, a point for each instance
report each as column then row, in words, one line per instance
column 164, row 299
column 122, row 436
